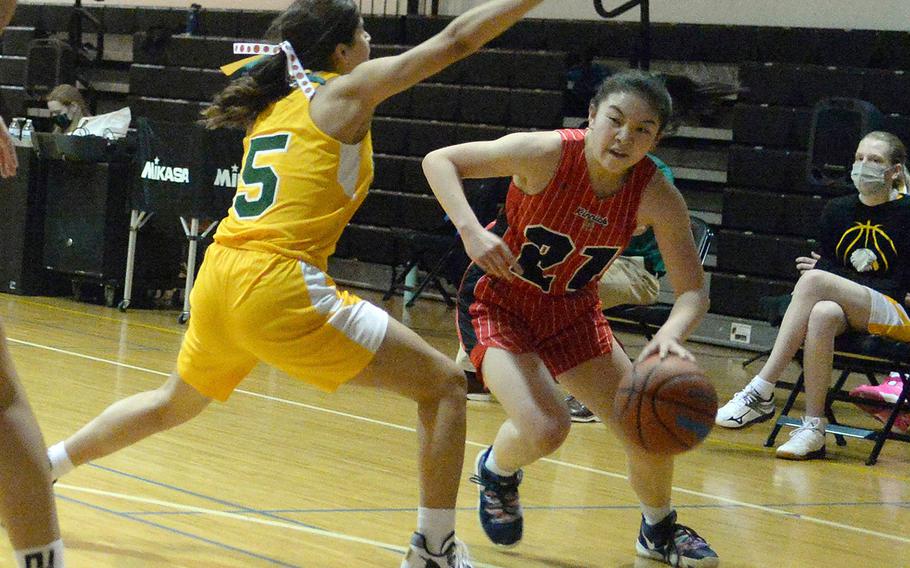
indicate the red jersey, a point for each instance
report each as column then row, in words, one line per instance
column 565, row 237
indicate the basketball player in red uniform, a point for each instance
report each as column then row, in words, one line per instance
column 528, row 306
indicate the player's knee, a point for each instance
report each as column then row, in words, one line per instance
column 447, row 382
column 455, row 384
column 548, row 433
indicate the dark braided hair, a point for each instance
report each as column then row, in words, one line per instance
column 314, row 28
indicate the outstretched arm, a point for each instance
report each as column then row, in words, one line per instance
column 374, row 81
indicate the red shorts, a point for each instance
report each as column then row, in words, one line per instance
column 564, row 331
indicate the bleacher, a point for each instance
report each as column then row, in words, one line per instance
column 743, row 171
column 770, row 209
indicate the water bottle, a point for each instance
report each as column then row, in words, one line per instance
column 27, row 132
column 15, row 129
column 192, row 20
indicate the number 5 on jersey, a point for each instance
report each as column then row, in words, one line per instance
column 262, row 178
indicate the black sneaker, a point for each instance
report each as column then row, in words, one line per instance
column 476, row 388
column 454, row 554
column 579, row 412
column 499, row 508
column 674, row 544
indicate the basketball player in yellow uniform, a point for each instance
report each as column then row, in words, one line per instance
column 262, row 292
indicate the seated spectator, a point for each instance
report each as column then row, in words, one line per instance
column 67, row 108
column 891, row 389
column 857, row 282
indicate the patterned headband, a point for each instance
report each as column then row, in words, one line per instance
column 257, row 51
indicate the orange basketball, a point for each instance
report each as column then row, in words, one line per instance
column 665, row 407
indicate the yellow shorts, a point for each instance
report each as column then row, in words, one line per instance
column 888, row 317
column 250, row 306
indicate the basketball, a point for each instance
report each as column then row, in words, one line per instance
column 665, row 407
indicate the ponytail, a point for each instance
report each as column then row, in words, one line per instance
column 314, row 28
column 238, row 105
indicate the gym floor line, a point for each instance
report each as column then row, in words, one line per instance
column 775, row 511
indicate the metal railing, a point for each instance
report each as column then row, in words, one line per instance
column 399, row 7
column 641, row 56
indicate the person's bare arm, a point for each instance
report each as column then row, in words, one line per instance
column 376, row 80
column 9, row 163
column 663, row 208
column 8, row 160
column 528, row 158
column 7, row 9
column 347, row 102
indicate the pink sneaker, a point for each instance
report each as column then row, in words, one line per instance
column 886, row 392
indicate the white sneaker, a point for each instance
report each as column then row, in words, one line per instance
column 454, row 554
column 806, row 442
column 746, row 407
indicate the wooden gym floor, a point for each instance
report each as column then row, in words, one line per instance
column 284, row 475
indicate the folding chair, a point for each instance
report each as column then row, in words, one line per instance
column 648, row 319
column 441, row 251
column 856, row 353
column 418, row 248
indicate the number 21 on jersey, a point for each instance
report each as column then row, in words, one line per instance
column 546, row 249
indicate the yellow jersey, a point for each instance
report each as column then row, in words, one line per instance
column 298, row 187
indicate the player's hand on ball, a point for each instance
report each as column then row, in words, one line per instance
column 663, row 347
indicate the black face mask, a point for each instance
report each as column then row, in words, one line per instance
column 63, row 120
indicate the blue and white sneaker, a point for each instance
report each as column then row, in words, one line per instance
column 499, row 508
column 674, row 544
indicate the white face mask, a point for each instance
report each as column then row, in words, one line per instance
column 868, row 177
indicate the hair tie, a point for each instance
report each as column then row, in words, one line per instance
column 296, row 70
column 257, row 51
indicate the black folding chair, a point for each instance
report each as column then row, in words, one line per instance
column 441, row 253
column 648, row 319
column 856, row 353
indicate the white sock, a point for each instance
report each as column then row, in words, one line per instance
column 494, row 467
column 47, row 556
column 763, row 387
column 654, row 515
column 60, row 461
column 436, row 525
